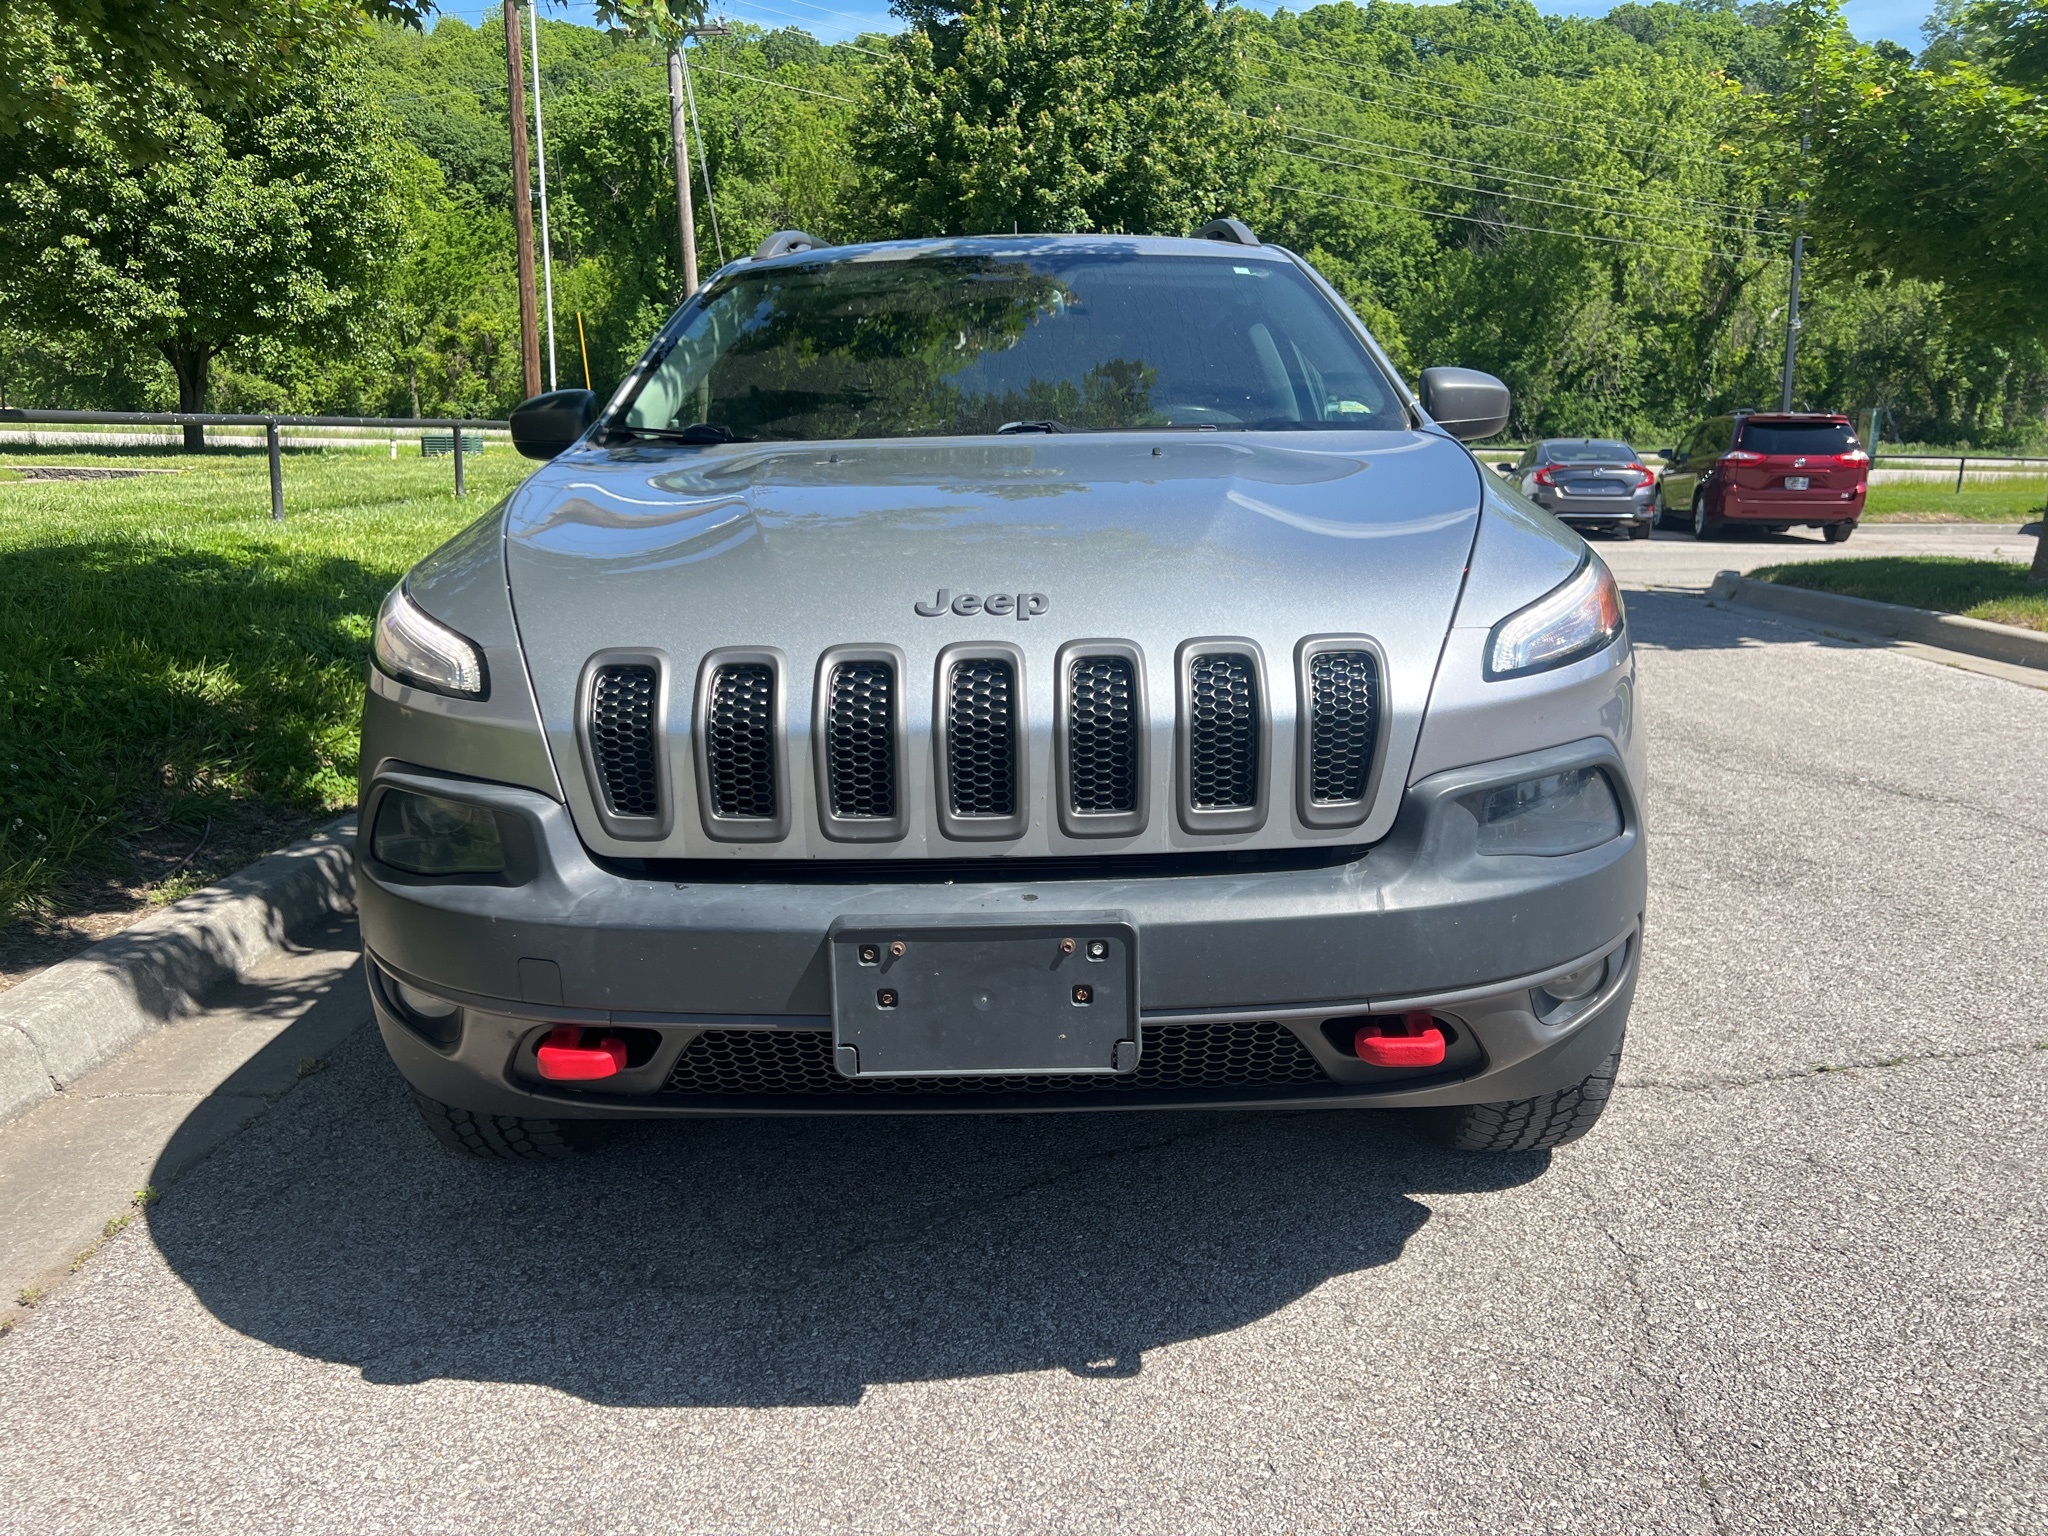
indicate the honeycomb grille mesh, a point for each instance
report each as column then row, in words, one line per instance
column 1343, row 697
column 981, row 737
column 1223, row 731
column 860, row 739
column 1102, row 734
column 766, row 1062
column 622, row 702
column 739, row 741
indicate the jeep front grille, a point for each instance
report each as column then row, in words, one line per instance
column 981, row 737
column 772, row 1063
column 1102, row 735
column 622, row 704
column 739, row 741
column 1343, row 695
column 1223, row 731
column 860, row 739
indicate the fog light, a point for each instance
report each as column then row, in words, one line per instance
column 423, row 1005
column 1556, row 814
column 1573, row 985
column 426, row 835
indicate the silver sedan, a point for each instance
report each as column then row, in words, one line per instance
column 1589, row 482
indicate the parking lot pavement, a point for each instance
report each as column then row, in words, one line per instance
column 1760, row 1297
column 1668, row 559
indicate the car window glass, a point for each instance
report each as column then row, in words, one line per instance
column 924, row 345
column 1775, row 437
column 1594, row 450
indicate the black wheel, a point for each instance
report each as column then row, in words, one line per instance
column 1666, row 518
column 1639, row 530
column 1837, row 533
column 505, row 1136
column 1531, row 1125
column 1703, row 526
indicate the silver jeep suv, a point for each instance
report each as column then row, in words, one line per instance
column 1005, row 674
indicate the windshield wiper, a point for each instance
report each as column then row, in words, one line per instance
column 1009, row 428
column 702, row 432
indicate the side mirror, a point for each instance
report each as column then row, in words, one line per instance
column 1667, row 454
column 1506, row 469
column 547, row 424
column 1466, row 403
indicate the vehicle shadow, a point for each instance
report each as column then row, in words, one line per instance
column 1685, row 621
column 784, row 1262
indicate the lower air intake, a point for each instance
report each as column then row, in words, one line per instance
column 1223, row 732
column 622, row 704
column 1344, row 707
column 739, row 741
column 981, row 737
column 763, row 1063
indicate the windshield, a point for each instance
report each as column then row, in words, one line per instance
column 1774, row 437
column 1591, row 451
column 936, row 345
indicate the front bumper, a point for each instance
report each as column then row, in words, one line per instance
column 1231, row 957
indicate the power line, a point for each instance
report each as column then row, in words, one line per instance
column 1522, row 197
column 1380, row 149
column 1533, row 229
column 757, row 5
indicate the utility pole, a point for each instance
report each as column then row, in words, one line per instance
column 1792, row 324
column 522, row 205
column 540, row 153
column 678, row 129
column 678, row 133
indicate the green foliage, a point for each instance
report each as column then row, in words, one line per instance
column 1067, row 115
column 1996, row 590
column 267, row 220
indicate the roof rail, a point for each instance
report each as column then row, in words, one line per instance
column 783, row 241
column 1235, row 231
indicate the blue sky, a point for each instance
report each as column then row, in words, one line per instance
column 833, row 20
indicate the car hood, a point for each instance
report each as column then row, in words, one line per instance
column 1151, row 539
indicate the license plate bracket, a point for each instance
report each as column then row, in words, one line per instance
column 923, row 998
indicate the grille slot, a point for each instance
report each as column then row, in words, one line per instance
column 981, row 737
column 1344, row 711
column 1223, row 731
column 774, row 1062
column 1102, row 735
column 622, row 705
column 860, row 739
column 739, row 741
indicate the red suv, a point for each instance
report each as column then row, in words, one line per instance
column 1768, row 470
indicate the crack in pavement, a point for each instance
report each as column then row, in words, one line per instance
column 1670, row 1085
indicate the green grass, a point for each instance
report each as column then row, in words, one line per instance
column 1983, row 589
column 171, row 659
column 2015, row 500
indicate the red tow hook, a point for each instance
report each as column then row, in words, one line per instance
column 564, row 1059
column 1413, row 1040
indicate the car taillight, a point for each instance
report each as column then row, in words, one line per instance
column 1547, row 475
column 1741, row 456
column 1853, row 458
column 1643, row 475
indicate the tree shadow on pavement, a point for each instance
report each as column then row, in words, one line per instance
column 1684, row 621
column 752, row 1262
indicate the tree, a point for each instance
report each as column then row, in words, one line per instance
column 56, row 53
column 1058, row 115
column 266, row 219
column 1935, row 173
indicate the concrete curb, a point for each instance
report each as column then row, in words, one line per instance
column 81, row 1013
column 1948, row 631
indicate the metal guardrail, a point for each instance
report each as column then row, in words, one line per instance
column 458, row 425
column 1962, row 460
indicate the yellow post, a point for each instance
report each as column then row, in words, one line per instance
column 583, row 346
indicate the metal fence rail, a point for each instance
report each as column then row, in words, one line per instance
column 270, row 425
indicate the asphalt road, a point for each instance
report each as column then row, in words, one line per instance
column 1673, row 559
column 1796, row 1281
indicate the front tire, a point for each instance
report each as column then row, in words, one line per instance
column 1531, row 1125
column 511, row 1138
column 1837, row 533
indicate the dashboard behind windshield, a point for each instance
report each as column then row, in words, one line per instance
column 930, row 345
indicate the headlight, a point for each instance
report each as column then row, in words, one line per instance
column 1558, row 813
column 1570, row 622
column 425, row 652
column 426, row 835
